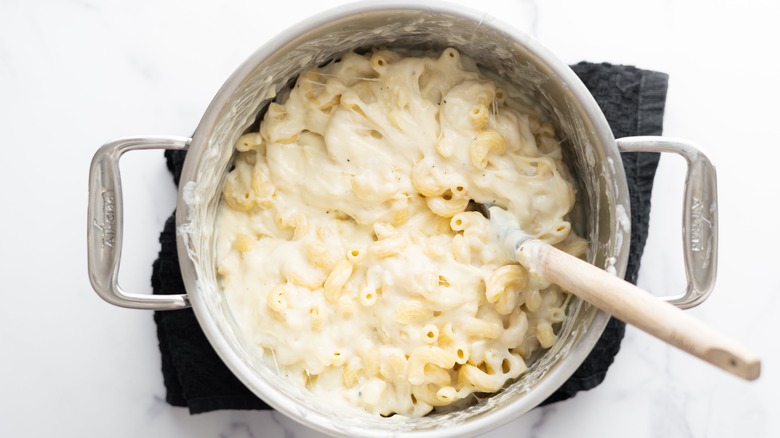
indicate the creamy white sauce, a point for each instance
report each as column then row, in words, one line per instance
column 345, row 251
column 507, row 231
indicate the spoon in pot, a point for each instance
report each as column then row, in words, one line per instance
column 619, row 298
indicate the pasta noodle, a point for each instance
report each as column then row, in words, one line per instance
column 345, row 248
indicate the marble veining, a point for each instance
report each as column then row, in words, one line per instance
column 538, row 426
column 238, row 429
column 288, row 433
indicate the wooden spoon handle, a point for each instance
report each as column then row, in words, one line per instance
column 638, row 308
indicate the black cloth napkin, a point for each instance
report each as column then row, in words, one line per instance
column 632, row 101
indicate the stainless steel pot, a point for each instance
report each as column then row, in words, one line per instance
column 602, row 215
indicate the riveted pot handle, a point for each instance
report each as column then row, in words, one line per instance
column 104, row 224
column 700, row 214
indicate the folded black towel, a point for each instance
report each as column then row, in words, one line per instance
column 195, row 377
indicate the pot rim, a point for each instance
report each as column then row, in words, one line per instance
column 581, row 96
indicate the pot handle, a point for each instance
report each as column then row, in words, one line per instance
column 700, row 214
column 104, row 224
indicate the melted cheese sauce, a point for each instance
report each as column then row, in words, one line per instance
column 345, row 249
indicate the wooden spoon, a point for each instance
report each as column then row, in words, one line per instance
column 621, row 298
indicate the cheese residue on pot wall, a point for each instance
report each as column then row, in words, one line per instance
column 345, row 250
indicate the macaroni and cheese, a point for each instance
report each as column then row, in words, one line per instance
column 346, row 251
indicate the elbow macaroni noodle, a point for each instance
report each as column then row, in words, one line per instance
column 345, row 250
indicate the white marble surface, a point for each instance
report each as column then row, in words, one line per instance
column 75, row 74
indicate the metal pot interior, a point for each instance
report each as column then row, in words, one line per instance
column 589, row 151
